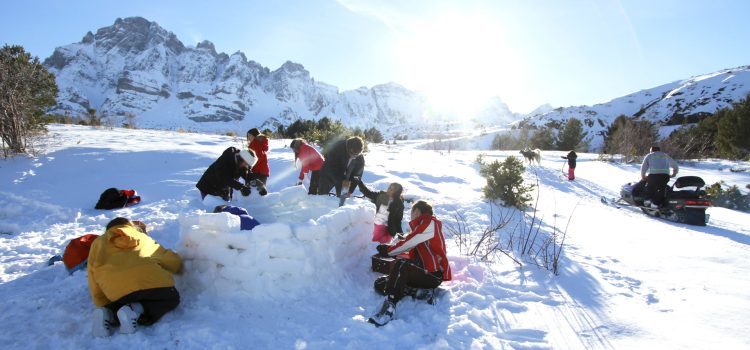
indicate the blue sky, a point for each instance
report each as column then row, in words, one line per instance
column 527, row 52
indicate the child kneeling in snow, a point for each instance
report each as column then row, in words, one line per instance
column 130, row 275
column 247, row 222
column 221, row 177
column 427, row 268
column 389, row 210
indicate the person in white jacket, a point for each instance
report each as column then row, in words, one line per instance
column 657, row 165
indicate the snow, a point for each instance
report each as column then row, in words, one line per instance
column 301, row 279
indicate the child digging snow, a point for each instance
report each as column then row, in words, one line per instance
column 311, row 161
column 221, row 176
column 389, row 210
column 427, row 268
column 130, row 275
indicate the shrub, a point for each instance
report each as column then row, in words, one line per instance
column 731, row 197
column 629, row 137
column 505, row 182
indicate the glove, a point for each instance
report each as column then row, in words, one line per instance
column 262, row 191
column 298, row 183
column 383, row 249
column 245, row 190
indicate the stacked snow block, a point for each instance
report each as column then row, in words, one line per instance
column 283, row 258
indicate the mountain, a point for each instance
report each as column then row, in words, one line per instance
column 137, row 68
column 667, row 106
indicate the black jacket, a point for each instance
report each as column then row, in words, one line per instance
column 395, row 209
column 571, row 157
column 337, row 166
column 221, row 176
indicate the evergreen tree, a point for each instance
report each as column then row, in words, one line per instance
column 571, row 135
column 373, row 135
column 505, row 182
column 733, row 131
column 27, row 90
column 543, row 139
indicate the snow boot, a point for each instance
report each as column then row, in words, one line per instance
column 385, row 315
column 128, row 316
column 103, row 322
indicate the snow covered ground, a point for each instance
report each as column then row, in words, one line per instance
column 626, row 280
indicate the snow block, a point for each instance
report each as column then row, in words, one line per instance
column 313, row 244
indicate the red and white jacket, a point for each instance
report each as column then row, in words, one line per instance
column 426, row 239
column 310, row 158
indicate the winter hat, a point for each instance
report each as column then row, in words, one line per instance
column 248, row 157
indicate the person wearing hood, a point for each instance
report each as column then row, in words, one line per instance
column 130, row 279
column 222, row 176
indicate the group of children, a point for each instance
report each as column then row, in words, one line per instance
column 130, row 276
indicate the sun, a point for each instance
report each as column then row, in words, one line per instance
column 458, row 61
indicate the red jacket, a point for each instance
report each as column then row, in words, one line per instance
column 310, row 158
column 260, row 146
column 426, row 238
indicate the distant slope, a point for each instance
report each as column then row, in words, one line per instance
column 685, row 101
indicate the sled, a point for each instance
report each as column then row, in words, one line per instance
column 685, row 200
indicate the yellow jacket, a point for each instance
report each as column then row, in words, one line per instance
column 125, row 260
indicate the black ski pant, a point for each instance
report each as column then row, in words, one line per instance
column 655, row 186
column 314, row 182
column 156, row 302
column 326, row 183
column 407, row 274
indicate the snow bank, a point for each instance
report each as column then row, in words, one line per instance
column 277, row 259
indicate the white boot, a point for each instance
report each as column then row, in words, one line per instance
column 128, row 316
column 385, row 315
column 103, row 320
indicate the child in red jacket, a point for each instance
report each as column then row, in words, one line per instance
column 311, row 161
column 427, row 268
column 260, row 172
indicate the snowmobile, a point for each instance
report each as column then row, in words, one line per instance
column 685, row 200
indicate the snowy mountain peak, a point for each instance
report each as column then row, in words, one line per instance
column 136, row 34
column 137, row 68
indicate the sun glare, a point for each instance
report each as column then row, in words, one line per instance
column 459, row 62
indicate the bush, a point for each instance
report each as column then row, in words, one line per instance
column 731, row 197
column 629, row 137
column 505, row 182
column 373, row 135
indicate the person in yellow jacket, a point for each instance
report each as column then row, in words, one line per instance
column 130, row 275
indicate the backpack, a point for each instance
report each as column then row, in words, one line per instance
column 112, row 198
column 77, row 251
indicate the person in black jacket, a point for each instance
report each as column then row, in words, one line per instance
column 221, row 176
column 389, row 210
column 343, row 163
column 571, row 157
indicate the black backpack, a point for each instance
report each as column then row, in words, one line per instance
column 112, row 198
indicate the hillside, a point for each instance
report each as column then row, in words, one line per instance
column 676, row 103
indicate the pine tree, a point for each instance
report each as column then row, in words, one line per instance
column 571, row 135
column 27, row 90
column 505, row 182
